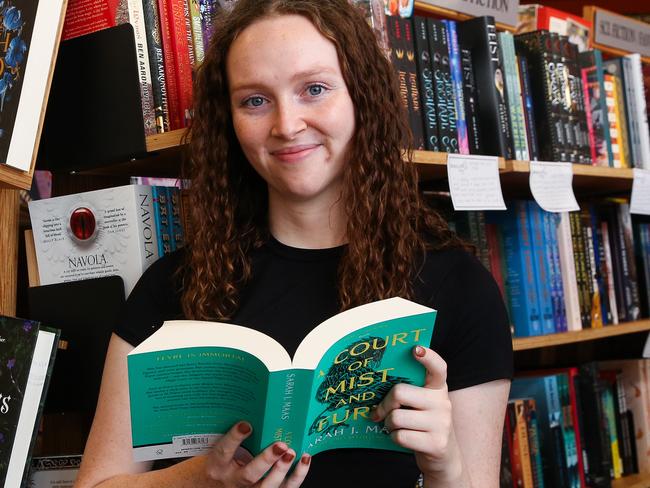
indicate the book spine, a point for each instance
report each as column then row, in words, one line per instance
column 479, row 36
column 156, row 63
column 527, row 105
column 188, row 32
column 641, row 111
column 613, row 121
column 524, row 444
column 197, row 31
column 630, row 112
column 644, row 262
column 173, row 102
column 594, row 143
column 619, row 107
column 517, row 467
column 601, row 271
column 427, row 84
column 471, row 102
column 580, row 257
column 506, row 467
column 415, row 110
column 609, row 272
column 397, row 55
column 579, row 110
column 528, row 266
column 594, row 293
column 568, row 272
column 457, row 86
column 175, row 217
column 143, row 201
column 630, row 284
column 553, row 258
column 447, row 136
column 136, row 18
column 207, row 11
column 540, row 266
column 563, row 98
column 617, row 260
column 182, row 63
column 623, row 427
column 557, row 429
column 507, row 46
column 157, row 218
column 165, row 218
column 572, row 379
column 568, row 429
column 607, row 399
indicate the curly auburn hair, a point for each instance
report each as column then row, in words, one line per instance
column 388, row 229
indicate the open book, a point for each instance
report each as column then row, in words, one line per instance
column 192, row 381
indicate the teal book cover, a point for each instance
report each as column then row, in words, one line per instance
column 192, row 381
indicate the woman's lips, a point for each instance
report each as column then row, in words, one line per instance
column 294, row 153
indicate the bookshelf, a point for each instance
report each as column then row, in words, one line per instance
column 425, row 8
column 591, row 12
column 635, row 481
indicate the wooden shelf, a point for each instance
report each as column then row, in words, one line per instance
column 14, row 178
column 634, row 481
column 167, row 140
column 422, row 7
column 536, row 342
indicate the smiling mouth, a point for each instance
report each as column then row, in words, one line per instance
column 295, row 152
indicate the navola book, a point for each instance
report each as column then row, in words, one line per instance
column 192, row 381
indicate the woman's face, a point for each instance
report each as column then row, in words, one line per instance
column 292, row 112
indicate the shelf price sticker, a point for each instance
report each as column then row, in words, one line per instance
column 474, row 182
column 640, row 199
column 551, row 184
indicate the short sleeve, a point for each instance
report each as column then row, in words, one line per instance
column 154, row 299
column 472, row 331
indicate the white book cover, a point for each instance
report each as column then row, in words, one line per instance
column 641, row 114
column 568, row 271
column 94, row 234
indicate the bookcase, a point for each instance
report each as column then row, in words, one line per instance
column 160, row 155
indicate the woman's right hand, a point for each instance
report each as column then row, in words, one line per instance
column 228, row 465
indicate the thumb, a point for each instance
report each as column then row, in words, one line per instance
column 436, row 367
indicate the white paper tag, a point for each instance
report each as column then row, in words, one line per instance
column 474, row 182
column 551, row 186
column 640, row 199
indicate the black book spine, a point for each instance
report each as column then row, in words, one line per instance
column 581, row 269
column 446, row 111
column 156, row 63
column 597, row 442
column 529, row 111
column 564, row 98
column 479, row 36
column 610, row 215
column 630, row 282
column 416, row 119
column 471, row 104
column 536, row 48
column 397, row 54
column 427, row 84
column 578, row 108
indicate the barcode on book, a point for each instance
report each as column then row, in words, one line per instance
column 195, row 440
column 193, row 444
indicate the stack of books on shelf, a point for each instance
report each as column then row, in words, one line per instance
column 469, row 89
column 116, row 231
column 577, row 427
column 566, row 271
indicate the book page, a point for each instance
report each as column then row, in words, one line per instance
column 182, row 399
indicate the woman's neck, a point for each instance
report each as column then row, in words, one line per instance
column 308, row 225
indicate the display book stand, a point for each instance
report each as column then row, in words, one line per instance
column 94, row 126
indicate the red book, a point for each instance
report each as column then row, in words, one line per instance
column 181, row 54
column 86, row 16
column 173, row 101
column 495, row 256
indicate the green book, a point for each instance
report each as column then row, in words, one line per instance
column 192, row 381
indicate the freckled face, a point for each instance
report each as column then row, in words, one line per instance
column 292, row 112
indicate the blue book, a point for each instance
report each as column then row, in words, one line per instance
column 541, row 266
column 161, row 218
column 457, row 83
column 520, row 277
column 551, row 223
column 175, row 221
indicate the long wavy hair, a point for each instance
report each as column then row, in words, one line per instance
column 389, row 228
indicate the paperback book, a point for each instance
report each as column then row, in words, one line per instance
column 192, row 381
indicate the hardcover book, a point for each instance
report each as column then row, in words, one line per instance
column 93, row 234
column 29, row 39
column 191, row 381
column 26, row 357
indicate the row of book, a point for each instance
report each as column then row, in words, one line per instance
column 577, row 427
column 115, row 231
column 472, row 90
column 567, row 271
column 171, row 37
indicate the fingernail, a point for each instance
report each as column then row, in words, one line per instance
column 419, row 351
column 244, row 428
column 288, row 457
column 279, row 449
column 306, row 459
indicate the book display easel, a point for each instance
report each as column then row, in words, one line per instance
column 106, row 136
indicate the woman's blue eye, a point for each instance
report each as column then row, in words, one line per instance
column 255, row 101
column 315, row 90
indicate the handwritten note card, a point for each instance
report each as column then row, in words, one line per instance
column 551, row 186
column 474, row 182
column 640, row 199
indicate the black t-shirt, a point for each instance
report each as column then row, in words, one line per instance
column 293, row 290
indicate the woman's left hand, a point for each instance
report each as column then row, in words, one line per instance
column 420, row 418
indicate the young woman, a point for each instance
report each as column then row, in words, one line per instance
column 302, row 206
